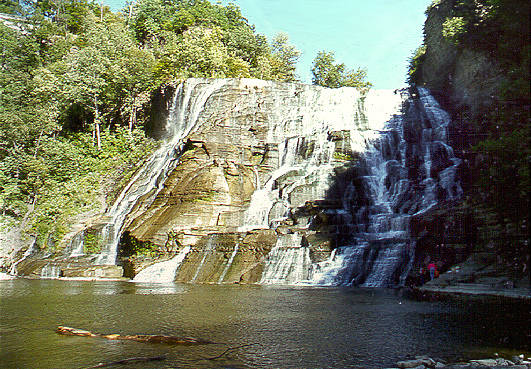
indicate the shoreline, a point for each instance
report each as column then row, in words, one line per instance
column 426, row 362
column 471, row 290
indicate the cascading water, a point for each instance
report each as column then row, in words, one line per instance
column 380, row 252
column 163, row 272
column 365, row 162
column 229, row 263
column 189, row 100
column 378, row 200
column 209, row 250
column 29, row 252
column 50, row 271
column 77, row 245
column 288, row 261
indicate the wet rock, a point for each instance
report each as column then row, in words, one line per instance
column 97, row 271
column 410, row 364
column 487, row 362
column 426, row 360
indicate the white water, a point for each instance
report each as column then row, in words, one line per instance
column 189, row 100
column 322, row 111
column 5, row 276
column 77, row 245
column 288, row 261
column 207, row 252
column 379, row 252
column 50, row 271
column 30, row 251
column 163, row 272
column 229, row 263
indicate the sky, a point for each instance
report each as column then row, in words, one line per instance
column 378, row 35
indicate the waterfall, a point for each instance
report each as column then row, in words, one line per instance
column 50, row 271
column 380, row 252
column 77, row 245
column 372, row 217
column 29, row 252
column 188, row 102
column 163, row 272
column 207, row 252
column 5, row 276
column 288, row 261
column 229, row 263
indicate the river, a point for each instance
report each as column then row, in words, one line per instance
column 303, row 327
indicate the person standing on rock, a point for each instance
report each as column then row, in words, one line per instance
column 432, row 268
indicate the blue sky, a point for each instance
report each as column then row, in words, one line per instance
column 379, row 35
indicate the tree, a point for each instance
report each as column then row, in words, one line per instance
column 327, row 73
column 284, row 58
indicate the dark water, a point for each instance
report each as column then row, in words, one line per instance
column 287, row 327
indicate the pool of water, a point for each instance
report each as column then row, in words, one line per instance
column 283, row 327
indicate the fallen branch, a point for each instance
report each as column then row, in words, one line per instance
column 222, row 354
column 128, row 361
column 229, row 350
column 67, row 331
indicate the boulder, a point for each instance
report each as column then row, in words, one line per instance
column 410, row 364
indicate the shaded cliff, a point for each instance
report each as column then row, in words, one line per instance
column 475, row 60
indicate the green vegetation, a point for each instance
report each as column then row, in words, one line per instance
column 130, row 246
column 327, row 73
column 342, row 156
column 453, row 28
column 415, row 64
column 498, row 134
column 92, row 243
column 76, row 83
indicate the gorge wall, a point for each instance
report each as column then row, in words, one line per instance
column 481, row 76
column 274, row 183
column 464, row 80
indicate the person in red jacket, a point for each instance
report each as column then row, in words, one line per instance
column 432, row 267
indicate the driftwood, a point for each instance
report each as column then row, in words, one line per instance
column 67, row 331
column 229, row 350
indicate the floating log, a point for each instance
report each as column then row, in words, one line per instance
column 68, row 331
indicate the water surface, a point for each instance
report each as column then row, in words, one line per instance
column 287, row 327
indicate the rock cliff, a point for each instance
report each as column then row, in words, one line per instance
column 273, row 183
column 464, row 80
column 477, row 77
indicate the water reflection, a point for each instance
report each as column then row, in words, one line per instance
column 286, row 327
column 155, row 288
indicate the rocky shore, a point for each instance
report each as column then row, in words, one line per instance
column 480, row 275
column 426, row 362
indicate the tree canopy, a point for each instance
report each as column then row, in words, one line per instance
column 327, row 73
column 76, row 83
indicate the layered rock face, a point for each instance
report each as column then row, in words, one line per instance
column 277, row 183
column 285, row 183
column 261, row 155
column 467, row 79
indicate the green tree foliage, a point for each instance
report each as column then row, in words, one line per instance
column 76, row 86
column 201, row 39
column 9, row 7
column 415, row 64
column 327, row 73
column 453, row 28
column 284, row 58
